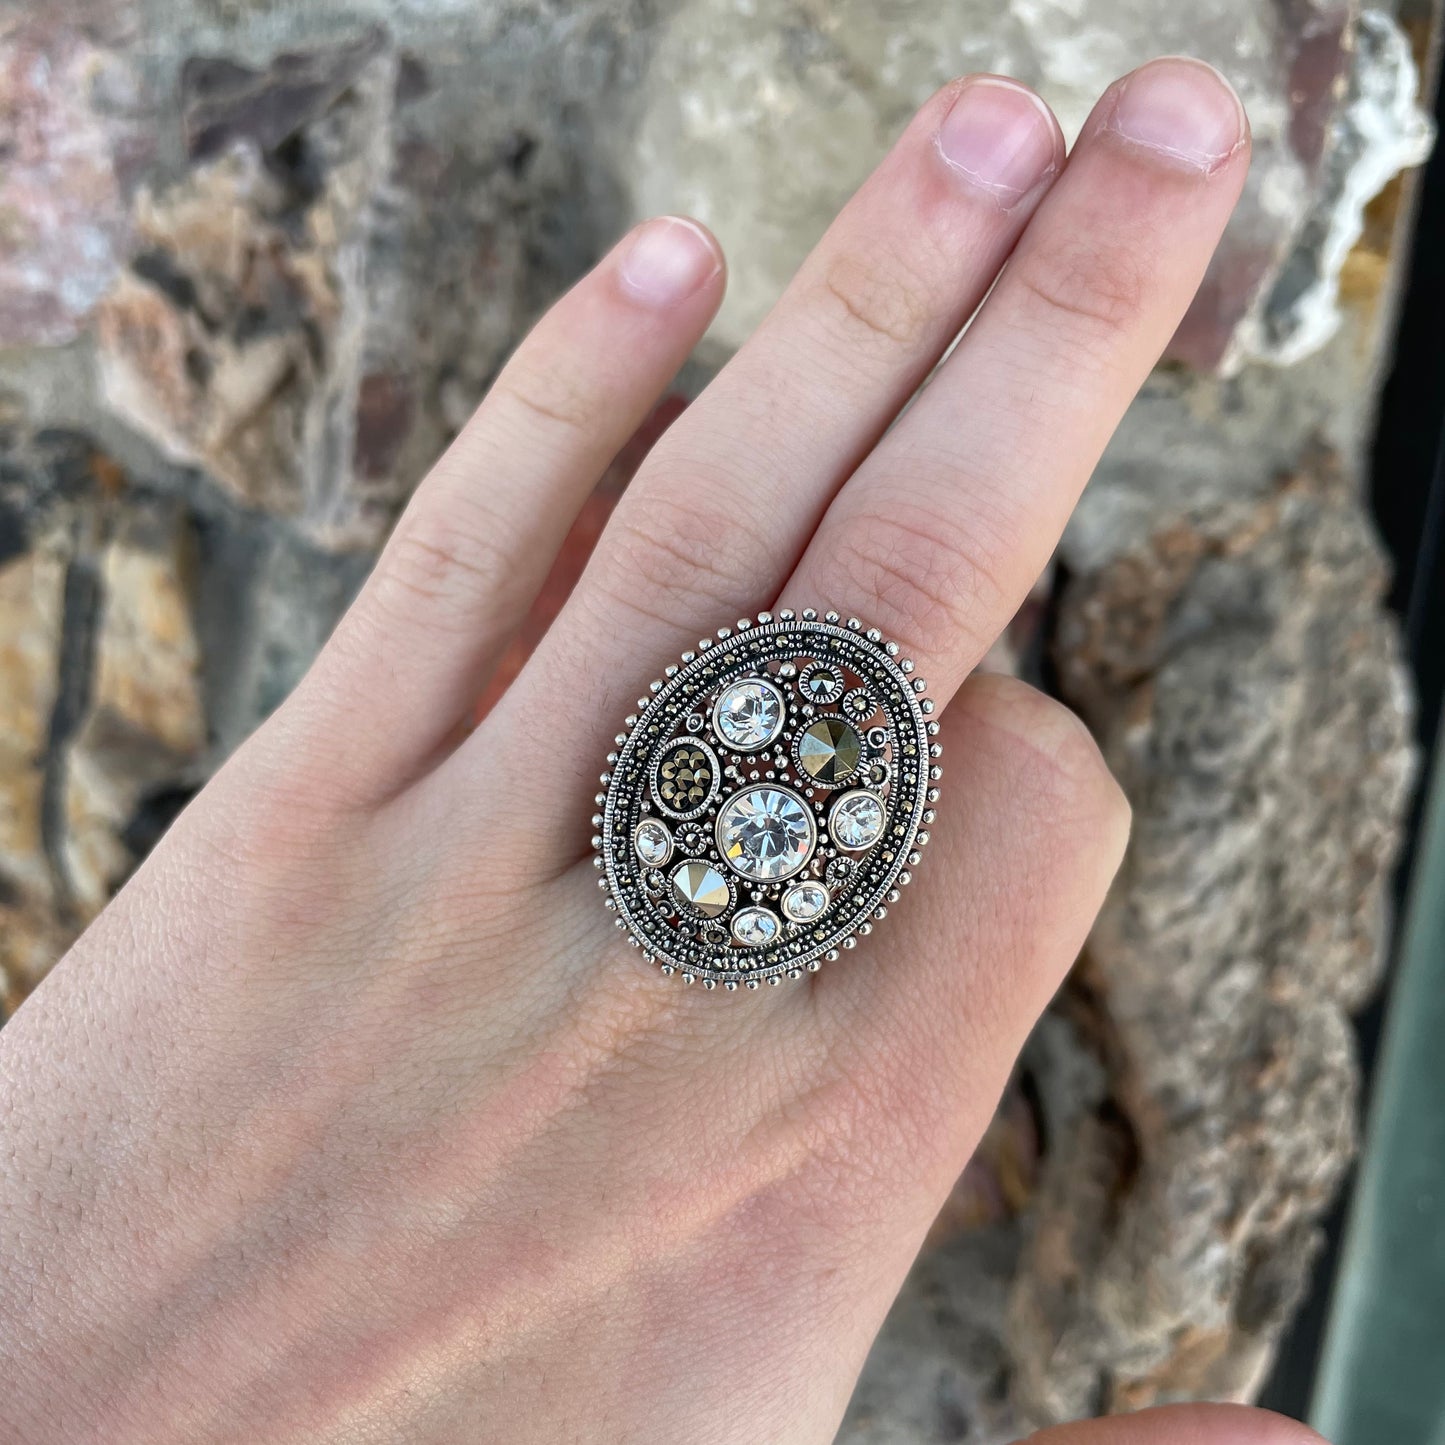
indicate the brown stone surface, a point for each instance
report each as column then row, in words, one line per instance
column 31, row 603
column 234, row 339
column 63, row 221
column 143, row 726
column 100, row 701
column 1250, row 696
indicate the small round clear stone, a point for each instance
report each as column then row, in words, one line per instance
column 652, row 842
column 856, row 821
column 749, row 714
column 803, row 902
column 755, row 927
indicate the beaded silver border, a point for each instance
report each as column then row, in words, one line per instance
column 661, row 718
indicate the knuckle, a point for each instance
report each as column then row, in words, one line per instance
column 928, row 582
column 1052, row 755
column 554, row 396
column 1101, row 288
column 885, row 303
column 433, row 561
column 675, row 557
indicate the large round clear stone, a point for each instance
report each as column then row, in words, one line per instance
column 755, row 927
column 766, row 832
column 749, row 714
column 856, row 821
column 701, row 887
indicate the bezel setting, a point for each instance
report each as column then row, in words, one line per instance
column 897, row 763
column 760, row 869
column 764, row 741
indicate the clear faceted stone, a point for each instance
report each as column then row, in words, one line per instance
column 803, row 902
column 755, row 927
column 749, row 714
column 702, row 887
column 766, row 832
column 652, row 842
column 829, row 751
column 856, row 821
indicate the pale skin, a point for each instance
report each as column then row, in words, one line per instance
column 351, row 1120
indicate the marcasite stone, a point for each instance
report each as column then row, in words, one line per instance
column 820, row 682
column 701, row 887
column 686, row 777
column 829, row 751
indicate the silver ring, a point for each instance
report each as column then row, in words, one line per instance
column 758, row 816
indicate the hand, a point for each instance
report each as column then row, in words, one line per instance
column 353, row 1120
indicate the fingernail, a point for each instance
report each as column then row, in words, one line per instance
column 668, row 259
column 999, row 136
column 1181, row 110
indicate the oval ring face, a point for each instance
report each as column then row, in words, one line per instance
column 754, row 798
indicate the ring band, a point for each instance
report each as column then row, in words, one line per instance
column 767, row 801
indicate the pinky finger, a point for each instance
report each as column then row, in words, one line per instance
column 474, row 547
column 1183, row 1425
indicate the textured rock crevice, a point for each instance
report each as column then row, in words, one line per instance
column 102, row 708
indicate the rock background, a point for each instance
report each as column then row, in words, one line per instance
column 259, row 259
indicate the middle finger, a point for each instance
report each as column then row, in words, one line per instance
column 938, row 536
column 725, row 503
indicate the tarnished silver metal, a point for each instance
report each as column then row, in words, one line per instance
column 768, row 800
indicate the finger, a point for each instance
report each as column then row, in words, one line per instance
column 931, row 1012
column 721, row 509
column 474, row 546
column 941, row 532
column 1183, row 1425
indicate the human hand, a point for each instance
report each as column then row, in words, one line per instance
column 353, row 1120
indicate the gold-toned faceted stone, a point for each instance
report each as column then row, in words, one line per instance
column 829, row 751
column 702, row 887
column 686, row 777
column 821, row 682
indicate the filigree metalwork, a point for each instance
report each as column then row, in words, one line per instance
column 789, row 839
